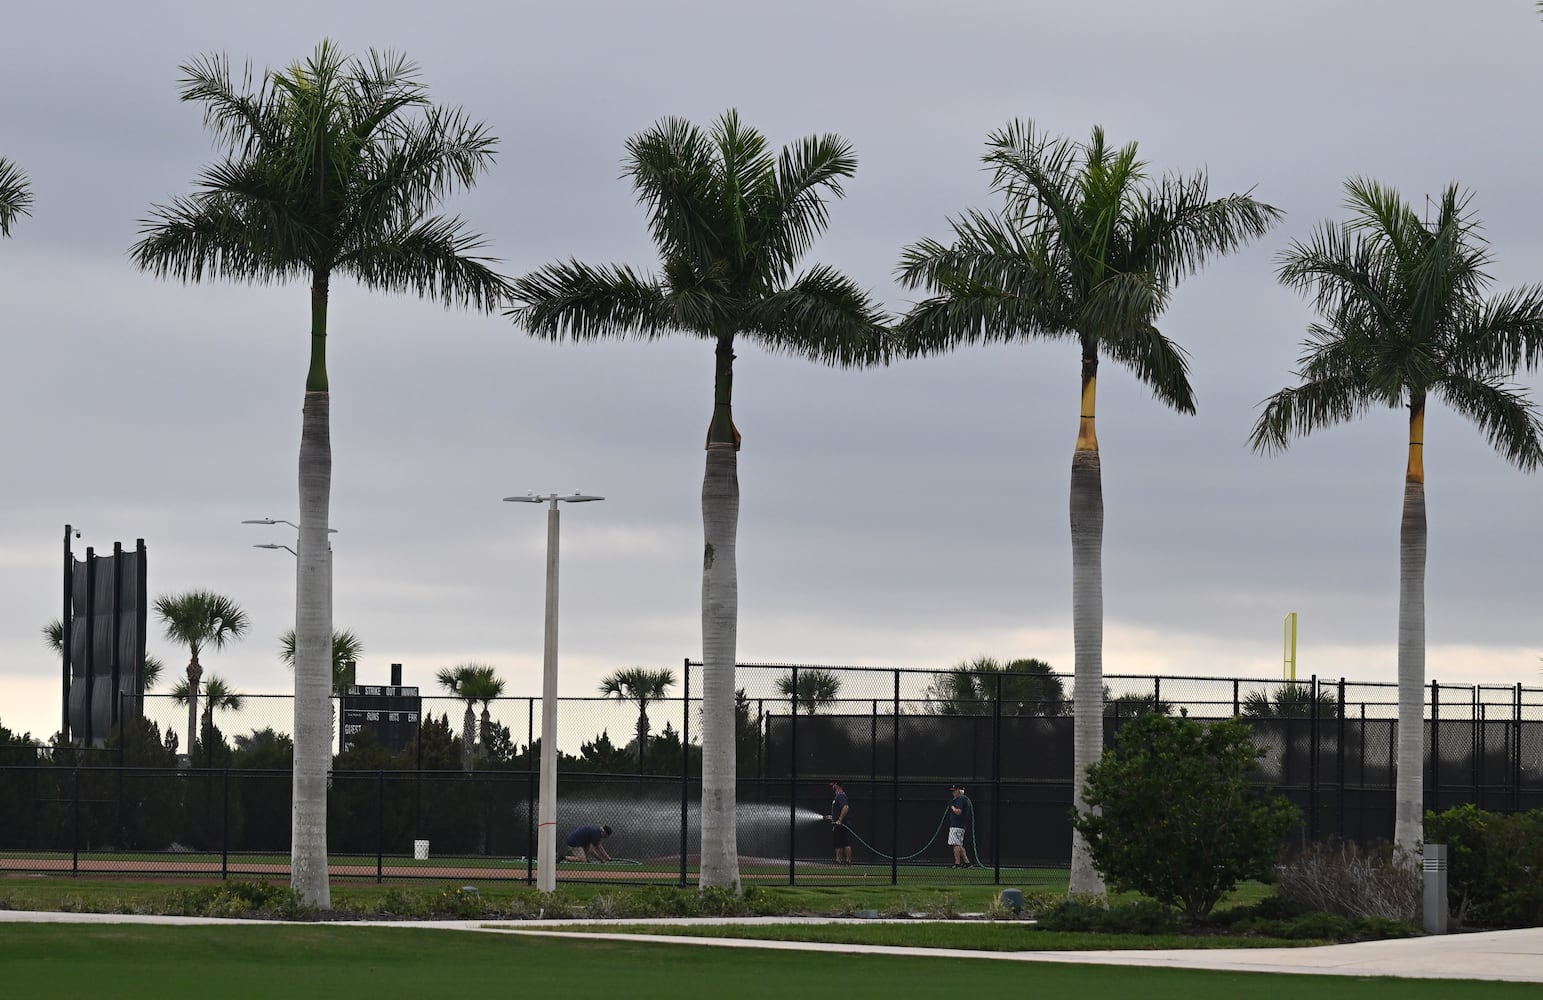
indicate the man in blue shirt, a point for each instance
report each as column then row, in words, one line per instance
column 958, row 819
column 584, row 844
column 840, row 835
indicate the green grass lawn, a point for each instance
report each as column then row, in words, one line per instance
column 246, row 962
column 971, row 936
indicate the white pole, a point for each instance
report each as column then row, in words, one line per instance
column 546, row 836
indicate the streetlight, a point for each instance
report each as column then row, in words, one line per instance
column 296, row 554
column 546, row 825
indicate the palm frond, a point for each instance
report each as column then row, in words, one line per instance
column 1157, row 361
column 823, row 316
column 1308, row 407
column 435, row 259
column 797, row 213
column 330, row 162
column 1502, row 334
column 1178, row 227
column 672, row 169
column 1506, row 417
column 53, row 634
column 582, row 302
column 194, row 238
column 199, row 618
column 15, row 195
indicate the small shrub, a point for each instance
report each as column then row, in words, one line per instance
column 1179, row 821
column 1074, row 915
column 459, row 903
column 716, row 901
column 605, row 906
column 1340, row 878
column 397, row 901
column 1037, row 902
column 1144, row 916
column 1317, row 927
column 939, row 906
column 1493, row 865
column 761, row 903
column 665, row 901
column 1380, row 928
column 557, row 906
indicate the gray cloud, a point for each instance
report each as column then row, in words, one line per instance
column 915, row 514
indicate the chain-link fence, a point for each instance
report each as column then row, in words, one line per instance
column 458, row 799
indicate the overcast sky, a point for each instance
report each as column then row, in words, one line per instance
column 914, row 515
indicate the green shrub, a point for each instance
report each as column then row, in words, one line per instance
column 665, row 901
column 715, row 901
column 761, row 903
column 1144, row 916
column 397, row 901
column 1494, row 861
column 1316, row 927
column 1178, row 820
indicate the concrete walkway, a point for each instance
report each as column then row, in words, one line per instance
column 1513, row 956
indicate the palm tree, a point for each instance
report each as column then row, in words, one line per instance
column 731, row 220
column 15, row 195
column 1027, row 686
column 199, row 619
column 1292, row 700
column 218, row 695
column 1403, row 319
column 472, row 682
column 641, row 686
column 334, row 165
column 813, row 690
column 346, row 650
column 1086, row 250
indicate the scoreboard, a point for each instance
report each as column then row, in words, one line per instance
column 390, row 713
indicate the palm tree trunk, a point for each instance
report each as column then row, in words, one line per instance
column 1409, row 807
column 468, row 746
column 642, row 736
column 195, row 675
column 313, row 626
column 720, row 623
column 1087, row 526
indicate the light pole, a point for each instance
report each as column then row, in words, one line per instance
column 546, row 816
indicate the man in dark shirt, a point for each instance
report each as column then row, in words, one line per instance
column 958, row 820
column 584, row 844
column 840, row 835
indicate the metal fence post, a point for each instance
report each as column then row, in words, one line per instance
column 1312, row 760
column 530, row 824
column 996, row 785
column 1433, row 794
column 793, row 779
column 1339, row 763
column 75, row 828
column 380, row 826
column 225, row 824
column 894, row 795
column 1516, row 752
column 685, row 756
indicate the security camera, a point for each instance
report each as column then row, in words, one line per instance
column 77, row 534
